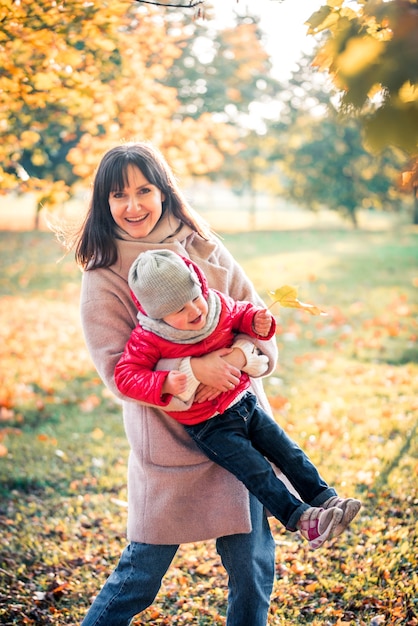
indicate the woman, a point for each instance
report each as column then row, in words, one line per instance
column 175, row 494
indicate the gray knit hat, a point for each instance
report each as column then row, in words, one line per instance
column 162, row 282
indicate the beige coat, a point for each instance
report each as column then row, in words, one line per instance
column 175, row 494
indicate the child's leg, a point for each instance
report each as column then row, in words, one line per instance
column 224, row 439
column 132, row 586
column 273, row 442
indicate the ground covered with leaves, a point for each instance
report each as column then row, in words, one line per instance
column 346, row 388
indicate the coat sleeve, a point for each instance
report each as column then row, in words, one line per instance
column 108, row 316
column 134, row 375
column 234, row 282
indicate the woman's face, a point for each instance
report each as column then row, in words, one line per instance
column 137, row 207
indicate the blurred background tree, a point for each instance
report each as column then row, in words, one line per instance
column 79, row 77
column 371, row 53
column 321, row 152
column 226, row 73
column 341, row 133
column 52, row 59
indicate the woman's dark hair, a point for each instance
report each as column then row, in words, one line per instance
column 96, row 245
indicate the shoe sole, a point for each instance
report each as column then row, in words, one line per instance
column 350, row 510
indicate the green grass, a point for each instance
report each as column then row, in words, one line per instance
column 366, row 281
column 345, row 388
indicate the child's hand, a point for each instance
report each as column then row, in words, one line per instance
column 175, row 383
column 262, row 322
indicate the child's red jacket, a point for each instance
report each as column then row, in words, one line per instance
column 136, row 378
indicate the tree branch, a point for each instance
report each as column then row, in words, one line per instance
column 190, row 5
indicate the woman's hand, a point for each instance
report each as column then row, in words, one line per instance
column 229, row 368
column 214, row 371
column 205, row 393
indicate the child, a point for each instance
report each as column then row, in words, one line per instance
column 179, row 316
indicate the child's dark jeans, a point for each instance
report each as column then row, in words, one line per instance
column 242, row 439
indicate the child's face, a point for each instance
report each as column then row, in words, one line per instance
column 192, row 316
column 137, row 207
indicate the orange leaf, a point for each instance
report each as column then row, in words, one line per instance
column 205, row 568
column 278, row 402
column 297, row 567
column 97, row 433
column 286, row 296
column 59, row 588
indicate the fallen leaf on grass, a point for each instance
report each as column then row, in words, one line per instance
column 207, row 567
column 97, row 434
column 58, row 589
column 119, row 502
column 47, row 439
column 89, row 404
column 286, row 296
column 278, row 402
column 39, row 596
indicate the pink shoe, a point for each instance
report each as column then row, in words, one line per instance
column 317, row 524
column 349, row 506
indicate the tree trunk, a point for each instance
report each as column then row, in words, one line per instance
column 415, row 213
column 37, row 219
column 353, row 218
column 252, row 200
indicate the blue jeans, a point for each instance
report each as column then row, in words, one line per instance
column 242, row 439
column 248, row 559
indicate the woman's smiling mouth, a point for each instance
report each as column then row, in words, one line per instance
column 136, row 220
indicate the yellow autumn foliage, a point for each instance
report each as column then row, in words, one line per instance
column 94, row 71
column 359, row 54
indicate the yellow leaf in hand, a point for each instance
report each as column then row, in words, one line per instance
column 286, row 296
